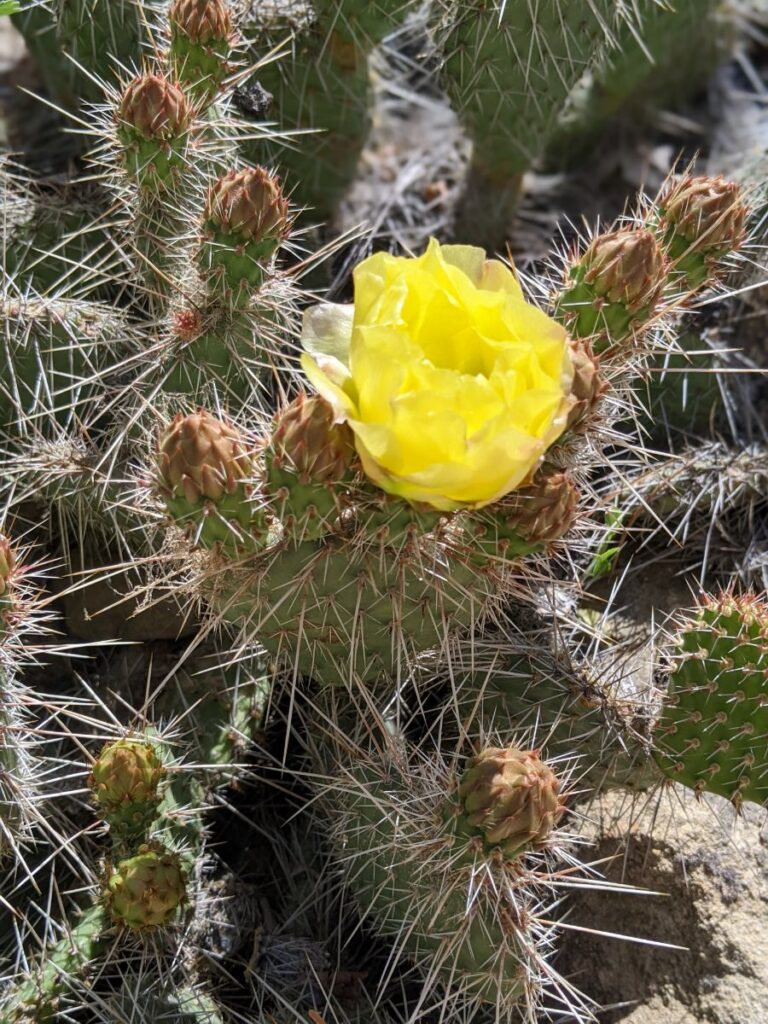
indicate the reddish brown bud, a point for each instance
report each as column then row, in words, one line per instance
column 201, row 457
column 155, row 107
column 626, row 267
column 545, row 510
column 308, row 442
column 588, row 385
column 201, row 21
column 709, row 211
column 249, row 204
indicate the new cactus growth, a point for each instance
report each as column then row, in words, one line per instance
column 589, row 385
column 126, row 782
column 153, row 123
column 147, row 889
column 246, row 218
column 308, row 456
column 439, row 863
column 544, row 511
column 614, row 288
column 711, row 733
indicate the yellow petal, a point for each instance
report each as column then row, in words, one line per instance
column 328, row 377
column 327, row 330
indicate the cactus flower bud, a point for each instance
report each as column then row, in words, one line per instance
column 703, row 220
column 248, row 204
column 154, row 107
column 246, row 218
column 125, row 782
column 154, row 119
column 626, row 267
column 7, row 564
column 545, row 510
column 309, row 452
column 201, row 457
column 144, row 891
column 201, row 34
column 511, row 798
column 203, row 472
column 588, row 385
column 614, row 288
column 201, row 21
column 309, row 442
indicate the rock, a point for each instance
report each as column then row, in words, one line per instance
column 712, row 869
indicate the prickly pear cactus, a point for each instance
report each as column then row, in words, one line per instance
column 351, row 544
column 711, row 734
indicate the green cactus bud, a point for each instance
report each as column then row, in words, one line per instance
column 203, row 476
column 126, row 781
column 246, row 218
column 153, row 122
column 588, row 387
column 308, row 453
column 201, row 35
column 614, row 288
column 711, row 734
column 146, row 890
column 510, row 798
column 702, row 220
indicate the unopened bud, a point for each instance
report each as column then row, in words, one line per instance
column 200, row 457
column 511, row 798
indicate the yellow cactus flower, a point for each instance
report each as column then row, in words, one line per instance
column 453, row 384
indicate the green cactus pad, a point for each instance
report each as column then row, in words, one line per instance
column 232, row 523
column 465, row 915
column 338, row 611
column 51, row 353
column 711, row 735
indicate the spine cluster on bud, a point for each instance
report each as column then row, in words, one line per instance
column 126, row 782
column 702, row 219
column 588, row 387
column 201, row 41
column 203, row 474
column 614, row 288
column 543, row 511
column 146, row 890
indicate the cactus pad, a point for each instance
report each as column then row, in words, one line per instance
column 712, row 732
